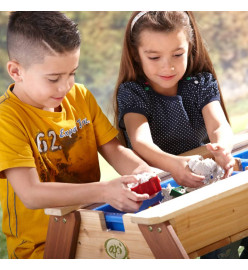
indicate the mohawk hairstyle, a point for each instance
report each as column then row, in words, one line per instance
column 33, row 34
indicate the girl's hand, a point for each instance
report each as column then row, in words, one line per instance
column 183, row 175
column 120, row 196
column 223, row 157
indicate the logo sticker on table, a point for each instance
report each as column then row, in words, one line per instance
column 115, row 249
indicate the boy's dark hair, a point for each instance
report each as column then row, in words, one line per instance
column 33, row 34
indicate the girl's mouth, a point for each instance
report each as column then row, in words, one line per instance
column 167, row 78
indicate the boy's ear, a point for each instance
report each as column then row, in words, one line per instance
column 14, row 70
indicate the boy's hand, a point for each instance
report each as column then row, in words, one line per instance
column 120, row 196
column 183, row 175
column 223, row 157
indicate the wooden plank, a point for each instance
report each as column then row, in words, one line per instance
column 61, row 211
column 62, row 236
column 202, row 151
column 163, row 241
column 210, row 248
column 238, row 165
column 94, row 234
column 239, row 236
column 219, row 244
column 213, row 222
column 240, row 142
column 194, row 200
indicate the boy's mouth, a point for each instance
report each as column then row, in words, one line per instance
column 58, row 98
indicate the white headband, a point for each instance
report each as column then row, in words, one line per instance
column 140, row 14
column 135, row 19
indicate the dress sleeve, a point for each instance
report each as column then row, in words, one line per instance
column 131, row 98
column 207, row 89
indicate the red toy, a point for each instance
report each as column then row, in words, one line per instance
column 150, row 187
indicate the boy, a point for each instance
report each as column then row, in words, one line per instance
column 51, row 130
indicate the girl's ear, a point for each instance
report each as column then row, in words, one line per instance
column 14, row 70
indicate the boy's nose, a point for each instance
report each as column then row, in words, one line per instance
column 64, row 87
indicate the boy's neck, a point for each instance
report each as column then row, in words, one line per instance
column 15, row 91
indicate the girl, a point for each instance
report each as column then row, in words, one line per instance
column 167, row 98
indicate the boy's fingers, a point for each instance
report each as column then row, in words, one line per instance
column 133, row 206
column 129, row 179
column 137, row 197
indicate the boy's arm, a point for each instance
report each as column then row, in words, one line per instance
column 36, row 195
column 124, row 160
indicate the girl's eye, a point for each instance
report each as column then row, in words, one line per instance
column 73, row 74
column 178, row 55
column 153, row 58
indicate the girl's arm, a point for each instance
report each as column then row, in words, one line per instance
column 140, row 136
column 220, row 135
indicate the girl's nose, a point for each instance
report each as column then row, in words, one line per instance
column 166, row 65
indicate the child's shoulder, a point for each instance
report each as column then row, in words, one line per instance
column 79, row 89
column 200, row 79
column 131, row 84
column 5, row 102
column 136, row 87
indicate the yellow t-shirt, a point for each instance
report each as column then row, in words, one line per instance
column 63, row 148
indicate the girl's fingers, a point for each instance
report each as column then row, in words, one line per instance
column 214, row 147
column 194, row 177
column 228, row 172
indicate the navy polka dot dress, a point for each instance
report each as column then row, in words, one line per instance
column 176, row 122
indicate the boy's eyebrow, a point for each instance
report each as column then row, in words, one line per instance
column 54, row 74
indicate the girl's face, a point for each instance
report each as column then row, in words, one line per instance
column 163, row 57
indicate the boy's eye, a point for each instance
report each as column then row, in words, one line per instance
column 53, row 81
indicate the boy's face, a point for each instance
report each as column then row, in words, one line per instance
column 44, row 85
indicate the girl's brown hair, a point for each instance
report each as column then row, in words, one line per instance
column 162, row 21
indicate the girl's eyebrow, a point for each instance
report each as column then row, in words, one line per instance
column 152, row 51
column 56, row 74
column 179, row 48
